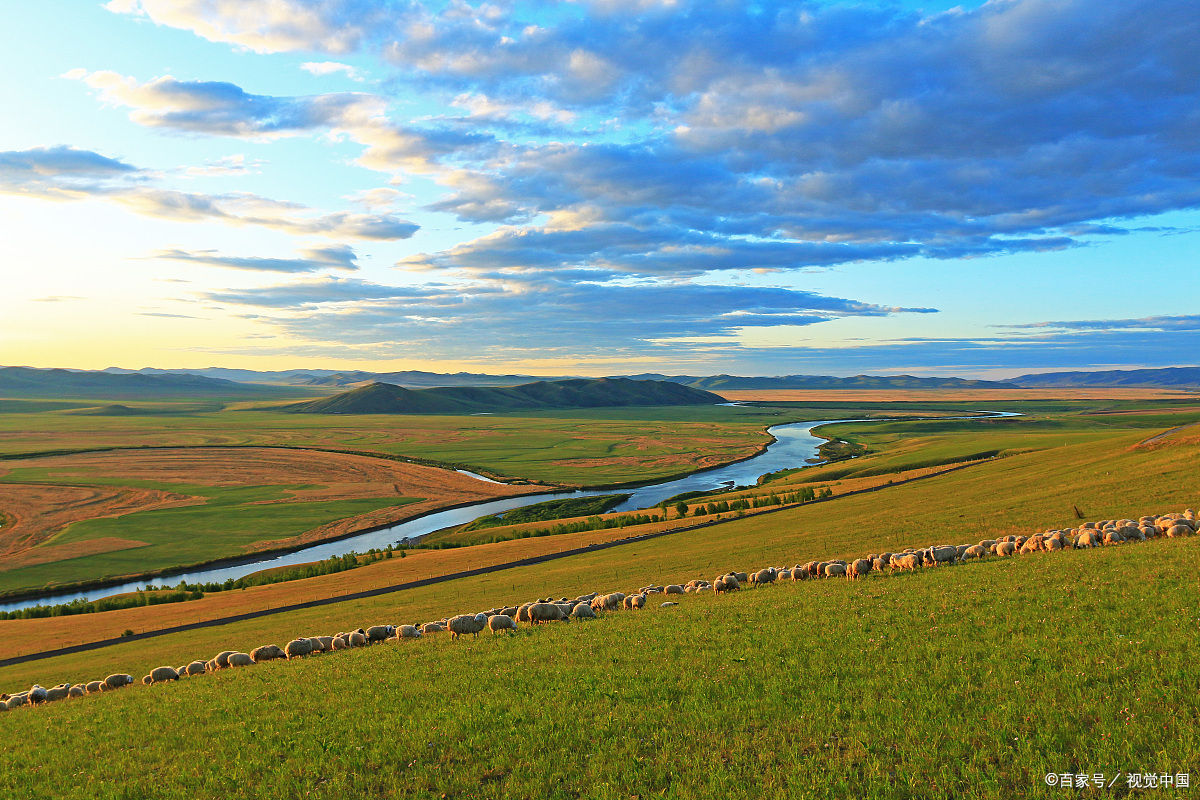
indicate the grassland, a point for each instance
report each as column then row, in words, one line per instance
column 615, row 446
column 974, row 681
column 967, row 682
column 83, row 516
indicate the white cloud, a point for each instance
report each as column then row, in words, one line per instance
column 323, row 68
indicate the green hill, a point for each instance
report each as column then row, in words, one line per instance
column 384, row 398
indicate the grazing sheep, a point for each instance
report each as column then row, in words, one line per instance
column 164, row 674
column 221, row 659
column 668, row 605
column 1087, row 539
column 1006, row 548
column 379, row 633
column 587, row 598
column 240, row 660
column 1033, row 544
column 116, row 681
column 546, row 612
column 59, row 692
column 411, row 631
column 1053, row 545
column 742, row 577
column 832, row 570
column 583, row 611
column 943, row 555
column 77, row 690
column 92, row 687
column 1178, row 530
column 503, row 622
column 467, row 623
column 296, row 648
column 974, row 551
column 860, row 567
column 523, row 613
column 763, row 576
column 340, row 643
column 16, row 700
column 608, row 602
column 147, row 680
column 726, row 583
column 673, row 589
column 784, row 575
column 431, row 627
column 1112, row 537
column 267, row 652
column 322, row 644
column 358, row 639
column 907, row 561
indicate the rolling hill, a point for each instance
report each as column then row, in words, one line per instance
column 385, row 398
column 1173, row 377
column 732, row 382
column 61, row 383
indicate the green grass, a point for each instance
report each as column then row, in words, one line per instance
column 548, row 446
column 549, row 510
column 972, row 681
column 229, row 523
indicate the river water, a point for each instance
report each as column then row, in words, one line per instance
column 794, row 444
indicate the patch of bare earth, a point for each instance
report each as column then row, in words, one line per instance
column 34, row 513
column 40, row 511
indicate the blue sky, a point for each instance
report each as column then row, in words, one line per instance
column 601, row 186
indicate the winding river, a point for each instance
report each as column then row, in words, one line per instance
column 794, row 445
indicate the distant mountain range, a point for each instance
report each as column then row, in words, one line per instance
column 62, row 383
column 151, row 383
column 385, row 398
column 732, row 382
column 1168, row 377
column 414, row 379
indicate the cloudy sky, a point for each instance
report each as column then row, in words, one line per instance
column 601, row 186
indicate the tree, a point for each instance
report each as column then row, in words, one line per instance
column 682, row 508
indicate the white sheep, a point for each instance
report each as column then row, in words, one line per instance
column 583, row 611
column 266, row 652
column 116, row 681
column 467, row 623
column 546, row 612
column 164, row 674
column 503, row 622
column 296, row 648
column 860, row 567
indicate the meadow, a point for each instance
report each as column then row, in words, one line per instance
column 75, row 518
column 580, row 447
column 972, row 681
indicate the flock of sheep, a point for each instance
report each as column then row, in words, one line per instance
column 496, row 620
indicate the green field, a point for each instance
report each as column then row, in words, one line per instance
column 228, row 524
column 972, row 681
column 615, row 445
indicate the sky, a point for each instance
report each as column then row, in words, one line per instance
column 601, row 186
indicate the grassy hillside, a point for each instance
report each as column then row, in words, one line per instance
column 580, row 446
column 970, row 681
column 1018, row 494
column 385, row 398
